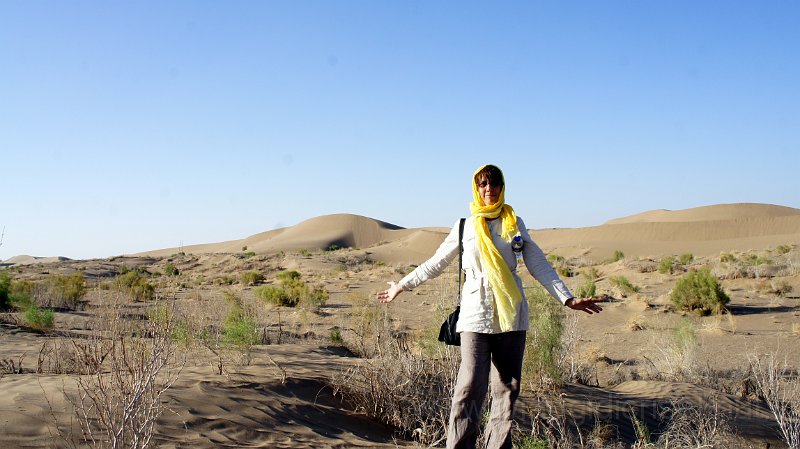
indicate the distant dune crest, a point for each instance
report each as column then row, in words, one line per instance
column 709, row 213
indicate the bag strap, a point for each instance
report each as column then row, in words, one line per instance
column 460, row 253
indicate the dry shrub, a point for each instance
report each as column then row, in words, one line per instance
column 696, row 426
column 403, row 389
column 779, row 387
column 126, row 367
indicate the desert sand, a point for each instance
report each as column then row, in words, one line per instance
column 280, row 398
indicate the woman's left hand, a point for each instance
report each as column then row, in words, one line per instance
column 588, row 305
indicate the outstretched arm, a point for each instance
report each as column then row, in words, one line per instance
column 389, row 294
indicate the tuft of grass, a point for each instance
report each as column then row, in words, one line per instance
column 555, row 259
column 783, row 249
column 699, row 291
column 586, row 290
column 667, row 265
column 624, row 285
column 336, row 335
column 727, row 257
column 685, row 259
column 249, row 254
column 305, row 253
column 240, row 328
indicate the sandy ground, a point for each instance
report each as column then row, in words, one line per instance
column 256, row 404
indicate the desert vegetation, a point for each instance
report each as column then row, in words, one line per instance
column 139, row 330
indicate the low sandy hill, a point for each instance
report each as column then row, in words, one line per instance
column 716, row 212
column 703, row 231
column 28, row 260
column 318, row 233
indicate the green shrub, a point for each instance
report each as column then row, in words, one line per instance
column 555, row 259
column 336, row 335
column 624, row 285
column 586, row 290
column 171, row 270
column 685, row 335
column 38, row 319
column 667, row 265
column 244, row 248
column 727, row 257
column 5, row 289
column 249, row 254
column 543, row 339
column 564, row 271
column 251, row 278
column 699, row 291
column 333, row 248
column 224, row 280
column 135, row 284
column 686, row 259
column 618, row 255
column 305, row 253
column 240, row 329
column 783, row 249
column 293, row 292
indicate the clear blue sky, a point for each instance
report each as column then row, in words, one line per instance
column 129, row 126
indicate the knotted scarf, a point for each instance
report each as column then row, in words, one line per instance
column 507, row 296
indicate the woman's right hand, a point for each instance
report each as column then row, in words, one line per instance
column 389, row 294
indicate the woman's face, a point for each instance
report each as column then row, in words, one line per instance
column 489, row 192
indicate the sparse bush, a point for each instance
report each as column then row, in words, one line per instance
column 136, row 285
column 251, row 278
column 240, row 329
column 333, row 247
column 727, row 257
column 617, row 256
column 692, row 426
column 249, row 254
column 555, row 259
column 779, row 387
column 699, row 291
column 287, row 276
column 305, row 253
column 293, row 292
column 171, row 270
column 62, row 291
column 686, row 259
column 336, row 335
column 564, row 271
column 624, row 285
column 783, row 249
column 38, row 319
column 667, row 265
column 780, row 288
column 541, row 365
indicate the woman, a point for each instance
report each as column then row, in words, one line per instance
column 494, row 312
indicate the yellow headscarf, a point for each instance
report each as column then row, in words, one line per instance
column 507, row 296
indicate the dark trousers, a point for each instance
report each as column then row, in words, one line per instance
column 485, row 357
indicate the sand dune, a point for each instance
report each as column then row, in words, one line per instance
column 709, row 213
column 703, row 231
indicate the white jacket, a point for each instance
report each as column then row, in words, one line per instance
column 477, row 305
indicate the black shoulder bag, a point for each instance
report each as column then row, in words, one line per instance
column 448, row 333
